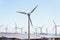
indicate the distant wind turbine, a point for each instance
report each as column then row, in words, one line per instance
column 35, row 30
column 29, row 20
column 6, row 29
column 55, row 27
column 21, row 29
column 41, row 28
column 46, row 31
column 1, row 26
column 16, row 28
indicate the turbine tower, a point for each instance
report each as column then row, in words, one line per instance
column 55, row 27
column 46, row 31
column 29, row 20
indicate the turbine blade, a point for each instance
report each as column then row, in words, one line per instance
column 54, row 22
column 38, row 27
column 21, row 12
column 18, row 28
column 1, row 25
column 53, row 28
column 58, row 25
column 34, row 8
column 30, row 21
column 42, row 26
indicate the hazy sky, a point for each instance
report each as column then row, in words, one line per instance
column 46, row 12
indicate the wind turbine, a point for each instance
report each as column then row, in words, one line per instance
column 46, row 31
column 41, row 28
column 1, row 26
column 29, row 20
column 35, row 30
column 21, row 29
column 6, row 29
column 16, row 27
column 55, row 27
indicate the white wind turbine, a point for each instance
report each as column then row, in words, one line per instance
column 29, row 20
column 16, row 28
column 35, row 30
column 6, row 29
column 55, row 27
column 41, row 28
column 21, row 30
column 1, row 26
